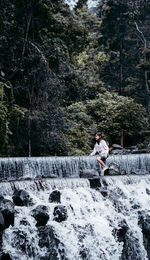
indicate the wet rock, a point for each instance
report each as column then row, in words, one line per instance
column 117, row 146
column 117, row 196
column 144, row 223
column 95, row 183
column 7, row 208
column 131, row 245
column 40, row 213
column 24, row 222
column 104, row 183
column 139, row 172
column 121, row 232
column 148, row 191
column 115, row 169
column 104, row 192
column 136, row 206
column 5, row 256
column 137, row 151
column 89, row 173
column 55, row 196
column 84, row 253
column 117, row 151
column 21, row 198
column 60, row 213
column 28, row 179
column 49, row 239
column 2, row 222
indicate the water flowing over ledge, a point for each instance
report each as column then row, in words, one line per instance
column 36, row 185
column 69, row 166
column 110, row 223
column 49, row 184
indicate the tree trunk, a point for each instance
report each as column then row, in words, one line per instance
column 121, row 69
column 29, row 136
column 121, row 139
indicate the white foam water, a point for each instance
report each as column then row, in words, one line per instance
column 91, row 3
column 90, row 229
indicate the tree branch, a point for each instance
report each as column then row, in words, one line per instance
column 142, row 35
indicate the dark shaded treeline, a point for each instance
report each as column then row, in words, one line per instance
column 66, row 75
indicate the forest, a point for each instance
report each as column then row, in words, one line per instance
column 64, row 75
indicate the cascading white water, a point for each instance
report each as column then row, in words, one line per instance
column 94, row 220
column 69, row 166
column 91, row 3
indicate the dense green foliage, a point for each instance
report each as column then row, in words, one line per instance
column 66, row 75
column 109, row 112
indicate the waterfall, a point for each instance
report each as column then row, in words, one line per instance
column 69, row 166
column 91, row 3
column 102, row 224
column 109, row 222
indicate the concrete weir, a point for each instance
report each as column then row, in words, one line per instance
column 45, row 184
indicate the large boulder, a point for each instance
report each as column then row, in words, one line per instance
column 40, row 213
column 55, row 196
column 7, row 208
column 115, row 169
column 21, row 198
column 60, row 213
column 89, row 173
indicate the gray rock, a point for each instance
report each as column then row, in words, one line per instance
column 21, row 198
column 144, row 223
column 117, row 146
column 139, row 171
column 40, row 213
column 5, row 256
column 126, row 151
column 7, row 208
column 2, row 222
column 89, row 173
column 49, row 239
column 60, row 213
column 115, row 169
column 95, row 183
column 140, row 151
column 55, row 196
column 117, row 151
column 148, row 191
